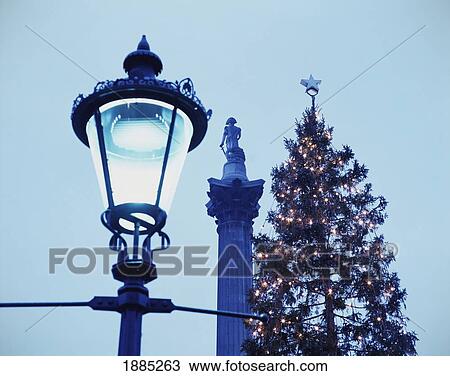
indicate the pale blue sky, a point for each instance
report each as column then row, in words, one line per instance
column 246, row 59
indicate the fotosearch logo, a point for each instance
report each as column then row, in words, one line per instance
column 197, row 261
column 290, row 262
column 176, row 260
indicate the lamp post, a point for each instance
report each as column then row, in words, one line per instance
column 139, row 130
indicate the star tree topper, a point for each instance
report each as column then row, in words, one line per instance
column 312, row 85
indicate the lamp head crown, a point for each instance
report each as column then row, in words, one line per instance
column 142, row 63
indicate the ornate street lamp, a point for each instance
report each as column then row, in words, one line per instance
column 139, row 130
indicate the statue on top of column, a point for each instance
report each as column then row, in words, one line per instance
column 231, row 135
column 234, row 168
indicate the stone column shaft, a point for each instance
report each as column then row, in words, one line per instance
column 234, row 204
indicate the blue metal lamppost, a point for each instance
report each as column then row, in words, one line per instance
column 139, row 130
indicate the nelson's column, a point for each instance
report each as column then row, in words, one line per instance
column 234, row 204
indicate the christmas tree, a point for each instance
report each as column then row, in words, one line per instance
column 323, row 277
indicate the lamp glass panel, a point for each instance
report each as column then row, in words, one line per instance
column 136, row 132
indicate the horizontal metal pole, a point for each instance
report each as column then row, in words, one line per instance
column 44, row 304
column 168, row 309
column 222, row 313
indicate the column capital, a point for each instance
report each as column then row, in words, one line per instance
column 234, row 200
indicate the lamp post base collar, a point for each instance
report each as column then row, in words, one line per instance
column 128, row 271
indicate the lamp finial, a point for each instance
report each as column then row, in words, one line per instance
column 142, row 63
